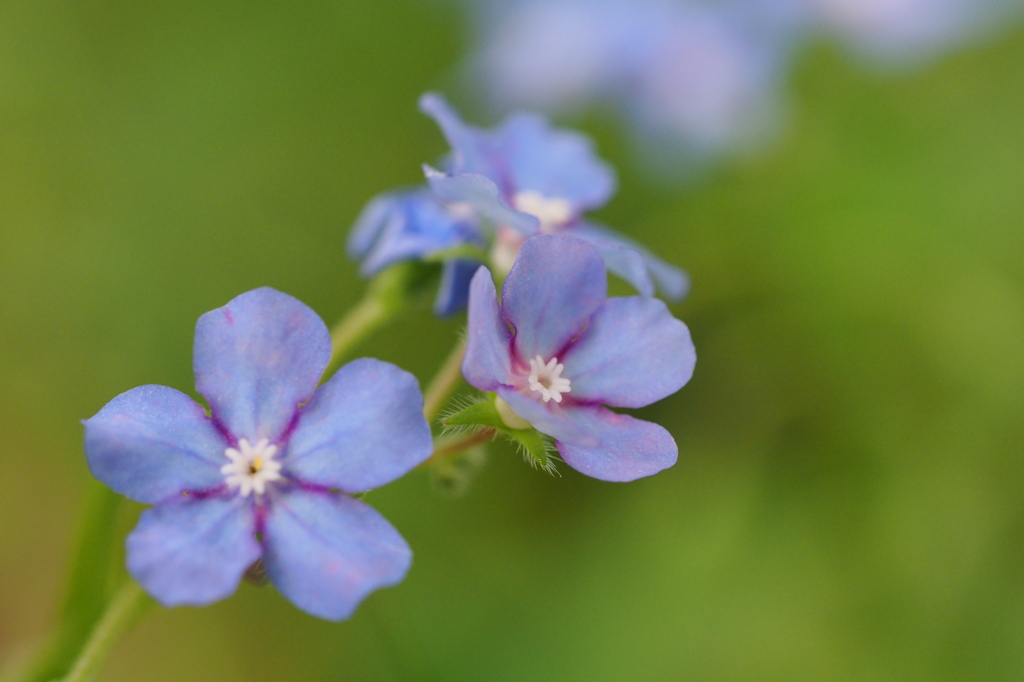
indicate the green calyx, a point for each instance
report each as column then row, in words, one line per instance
column 495, row 413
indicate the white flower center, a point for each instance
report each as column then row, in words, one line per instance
column 251, row 467
column 547, row 379
column 552, row 212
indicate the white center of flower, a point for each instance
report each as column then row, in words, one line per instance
column 547, row 379
column 551, row 212
column 251, row 467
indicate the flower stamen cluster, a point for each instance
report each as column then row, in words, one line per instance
column 547, row 379
column 251, row 467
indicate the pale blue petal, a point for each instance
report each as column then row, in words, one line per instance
column 628, row 448
column 471, row 147
column 482, row 194
column 633, row 353
column 554, row 162
column 525, row 153
column 193, row 551
column 549, row 417
column 326, row 552
column 370, row 224
column 154, row 442
column 409, row 225
column 672, row 282
column 257, row 358
column 556, row 284
column 488, row 360
column 453, row 293
column 364, row 428
column 626, row 264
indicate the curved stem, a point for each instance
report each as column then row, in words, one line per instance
column 369, row 314
column 445, row 448
column 387, row 295
column 444, row 382
column 125, row 608
column 88, row 586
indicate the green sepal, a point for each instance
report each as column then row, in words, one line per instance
column 533, row 445
column 478, row 414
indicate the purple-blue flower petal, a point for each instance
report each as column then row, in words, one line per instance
column 488, row 361
column 326, row 552
column 633, row 353
column 672, row 282
column 471, row 147
column 525, row 153
column 154, row 442
column 551, row 418
column 257, row 358
column 483, row 195
column 408, row 225
column 453, row 293
column 193, row 551
column 556, row 284
column 553, row 162
column 364, row 428
column 627, row 264
column 628, row 448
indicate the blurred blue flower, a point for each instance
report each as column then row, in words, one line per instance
column 901, row 33
column 693, row 76
column 525, row 177
column 264, row 476
column 572, row 350
column 415, row 225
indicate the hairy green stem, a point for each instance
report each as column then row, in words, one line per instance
column 125, row 608
column 444, row 382
column 87, row 589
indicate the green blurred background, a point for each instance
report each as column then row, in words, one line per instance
column 847, row 503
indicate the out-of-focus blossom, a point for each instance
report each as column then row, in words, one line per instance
column 695, row 75
column 555, row 350
column 265, row 475
column 898, row 33
column 416, row 225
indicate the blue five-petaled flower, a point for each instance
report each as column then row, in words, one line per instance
column 265, row 475
column 555, row 350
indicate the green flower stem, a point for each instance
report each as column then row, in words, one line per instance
column 125, row 608
column 444, row 382
column 387, row 296
column 449, row 447
column 88, row 586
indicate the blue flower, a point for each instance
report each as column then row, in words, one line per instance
column 525, row 177
column 267, row 475
column 570, row 351
column 693, row 77
column 415, row 225
column 909, row 32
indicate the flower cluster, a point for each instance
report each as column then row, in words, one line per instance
column 262, row 482
column 496, row 189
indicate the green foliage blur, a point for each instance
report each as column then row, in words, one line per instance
column 848, row 500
